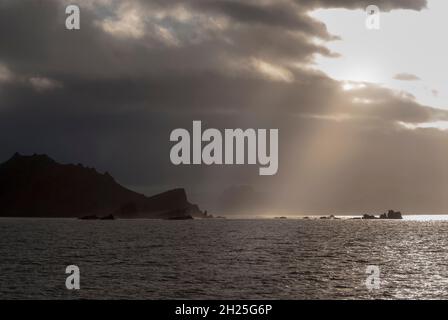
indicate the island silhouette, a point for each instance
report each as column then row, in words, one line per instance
column 38, row 186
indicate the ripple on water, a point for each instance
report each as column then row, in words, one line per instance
column 223, row 259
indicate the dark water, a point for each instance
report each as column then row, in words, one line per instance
column 223, row 259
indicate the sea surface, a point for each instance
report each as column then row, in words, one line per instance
column 224, row 259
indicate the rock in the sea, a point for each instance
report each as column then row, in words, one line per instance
column 188, row 217
column 330, row 217
column 391, row 214
column 108, row 217
column 92, row 217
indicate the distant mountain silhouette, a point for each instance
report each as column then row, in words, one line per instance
column 38, row 186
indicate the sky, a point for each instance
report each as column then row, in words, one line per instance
column 400, row 47
column 360, row 113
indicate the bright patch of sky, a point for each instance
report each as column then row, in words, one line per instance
column 408, row 43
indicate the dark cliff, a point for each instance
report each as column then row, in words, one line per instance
column 38, row 186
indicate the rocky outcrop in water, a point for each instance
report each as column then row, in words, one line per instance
column 93, row 217
column 391, row 214
column 330, row 217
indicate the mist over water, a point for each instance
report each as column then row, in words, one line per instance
column 223, row 259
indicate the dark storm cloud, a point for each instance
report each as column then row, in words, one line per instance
column 109, row 95
column 272, row 15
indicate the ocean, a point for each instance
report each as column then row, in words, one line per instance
column 225, row 259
